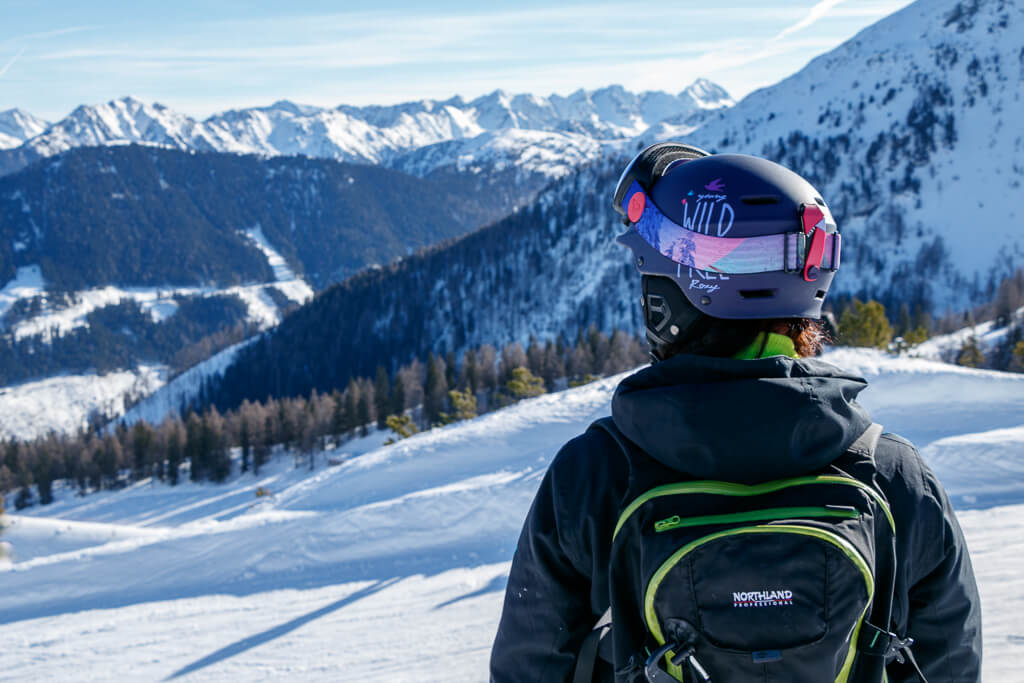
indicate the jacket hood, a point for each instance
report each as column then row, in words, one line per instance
column 745, row 421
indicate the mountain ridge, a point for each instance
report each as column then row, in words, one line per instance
column 372, row 134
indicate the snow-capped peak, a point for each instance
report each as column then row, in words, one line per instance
column 707, row 95
column 17, row 126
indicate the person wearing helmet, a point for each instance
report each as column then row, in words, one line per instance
column 739, row 516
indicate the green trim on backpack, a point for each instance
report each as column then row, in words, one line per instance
column 730, row 489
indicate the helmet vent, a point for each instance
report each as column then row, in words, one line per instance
column 819, row 201
column 757, row 293
column 820, row 294
column 759, row 199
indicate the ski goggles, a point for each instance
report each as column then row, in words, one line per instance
column 700, row 243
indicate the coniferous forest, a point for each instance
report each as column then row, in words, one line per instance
column 197, row 443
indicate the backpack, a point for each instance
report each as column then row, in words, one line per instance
column 778, row 581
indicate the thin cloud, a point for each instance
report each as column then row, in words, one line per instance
column 44, row 35
column 817, row 13
column 10, row 62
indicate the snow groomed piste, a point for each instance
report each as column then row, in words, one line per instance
column 391, row 565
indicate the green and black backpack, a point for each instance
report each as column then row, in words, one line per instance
column 782, row 581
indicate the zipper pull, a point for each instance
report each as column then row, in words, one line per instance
column 689, row 656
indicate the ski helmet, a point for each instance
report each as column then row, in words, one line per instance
column 723, row 235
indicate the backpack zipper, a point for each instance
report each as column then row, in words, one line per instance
column 768, row 514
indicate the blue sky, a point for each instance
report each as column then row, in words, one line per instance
column 203, row 57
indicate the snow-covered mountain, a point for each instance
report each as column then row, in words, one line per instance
column 373, row 134
column 411, row 543
column 17, row 126
column 911, row 131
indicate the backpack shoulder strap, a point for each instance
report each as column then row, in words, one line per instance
column 595, row 645
column 867, row 442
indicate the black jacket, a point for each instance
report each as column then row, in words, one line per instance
column 745, row 421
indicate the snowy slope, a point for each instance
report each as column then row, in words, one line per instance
column 547, row 154
column 910, row 132
column 65, row 403
column 987, row 334
column 182, row 389
column 391, row 565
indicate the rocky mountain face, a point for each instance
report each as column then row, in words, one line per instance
column 907, row 129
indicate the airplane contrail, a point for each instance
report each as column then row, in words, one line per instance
column 816, row 13
column 11, row 62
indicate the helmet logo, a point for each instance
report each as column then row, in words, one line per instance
column 707, row 208
column 715, row 185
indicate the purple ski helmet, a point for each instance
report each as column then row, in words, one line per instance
column 738, row 236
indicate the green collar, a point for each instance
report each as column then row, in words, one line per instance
column 777, row 345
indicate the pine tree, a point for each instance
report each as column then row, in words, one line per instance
column 970, row 354
column 215, row 445
column 535, row 357
column 337, row 414
column 174, row 454
column 245, row 442
column 285, row 422
column 194, row 452
column 401, row 425
column 351, row 411
column 512, row 357
column 264, row 447
column 524, row 384
column 470, row 372
column 397, row 403
column 109, row 460
column 42, row 472
column 916, row 335
column 363, row 414
column 865, row 324
column 1017, row 364
column 23, row 499
column 435, row 389
column 6, row 481
column 142, row 443
column 487, row 364
column 382, row 396
column 450, row 375
column 464, row 403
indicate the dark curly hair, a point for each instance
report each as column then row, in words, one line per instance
column 725, row 338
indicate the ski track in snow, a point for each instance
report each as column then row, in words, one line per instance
column 392, row 565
